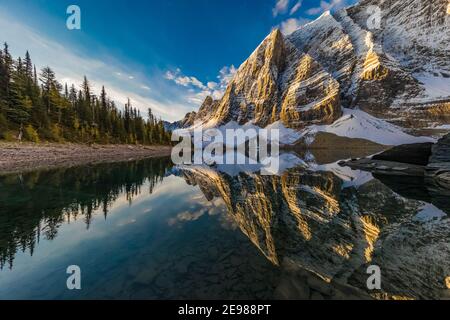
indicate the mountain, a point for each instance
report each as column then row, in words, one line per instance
column 208, row 107
column 186, row 122
column 399, row 73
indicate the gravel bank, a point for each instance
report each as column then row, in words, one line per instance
column 20, row 157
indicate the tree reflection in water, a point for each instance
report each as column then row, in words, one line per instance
column 34, row 205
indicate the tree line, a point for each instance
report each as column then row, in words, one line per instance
column 36, row 107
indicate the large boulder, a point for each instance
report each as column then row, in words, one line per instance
column 418, row 154
column 440, row 157
column 439, row 164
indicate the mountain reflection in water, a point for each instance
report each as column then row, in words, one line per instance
column 147, row 229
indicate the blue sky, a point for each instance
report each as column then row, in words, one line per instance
column 167, row 55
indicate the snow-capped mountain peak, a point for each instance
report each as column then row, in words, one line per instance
column 399, row 73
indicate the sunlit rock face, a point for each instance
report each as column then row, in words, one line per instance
column 309, row 222
column 414, row 45
column 398, row 71
column 208, row 107
column 279, row 82
column 391, row 71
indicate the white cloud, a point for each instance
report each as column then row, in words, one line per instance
column 170, row 75
column 197, row 83
column 183, row 80
column 198, row 97
column 290, row 25
column 281, row 7
column 296, row 7
column 314, row 11
column 212, row 85
column 327, row 6
column 227, row 73
column 197, row 91
column 70, row 65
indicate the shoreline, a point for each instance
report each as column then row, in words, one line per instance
column 26, row 157
column 22, row 157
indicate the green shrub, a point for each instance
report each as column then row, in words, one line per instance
column 9, row 136
column 31, row 134
column 56, row 133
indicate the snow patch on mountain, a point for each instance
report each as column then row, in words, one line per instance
column 435, row 87
column 287, row 136
column 354, row 123
column 358, row 124
column 442, row 127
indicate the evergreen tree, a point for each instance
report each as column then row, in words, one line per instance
column 40, row 108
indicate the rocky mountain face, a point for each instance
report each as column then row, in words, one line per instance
column 314, row 221
column 208, row 107
column 399, row 72
column 271, row 84
column 186, row 122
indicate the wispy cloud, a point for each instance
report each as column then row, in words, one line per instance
column 184, row 81
column 290, row 25
column 71, row 64
column 198, row 91
column 226, row 74
column 281, row 7
column 314, row 11
column 327, row 6
column 296, row 7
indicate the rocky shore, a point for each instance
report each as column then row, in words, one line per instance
column 428, row 160
column 22, row 157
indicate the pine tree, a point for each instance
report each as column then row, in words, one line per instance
column 7, row 65
column 42, row 109
column 49, row 84
column 19, row 105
